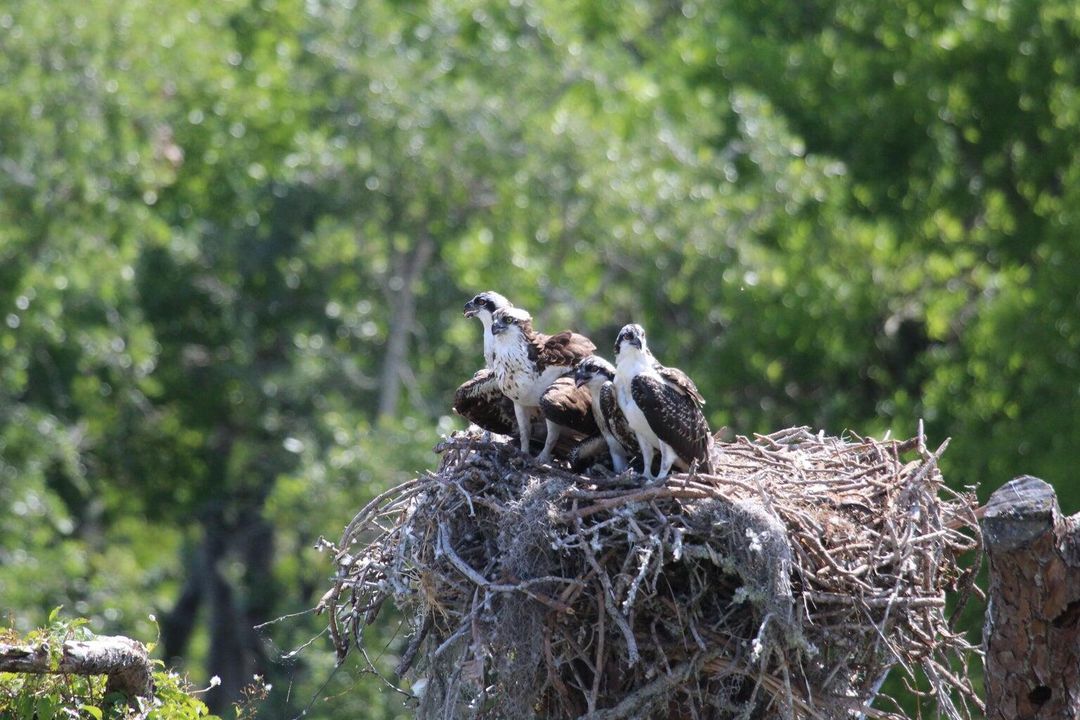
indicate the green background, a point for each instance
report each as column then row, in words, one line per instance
column 236, row 235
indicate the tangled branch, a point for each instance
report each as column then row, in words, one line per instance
column 787, row 584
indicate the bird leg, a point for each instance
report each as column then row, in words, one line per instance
column 618, row 456
column 667, row 458
column 524, row 426
column 553, row 432
column 646, row 458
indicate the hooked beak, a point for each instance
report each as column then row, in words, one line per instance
column 580, row 380
column 470, row 310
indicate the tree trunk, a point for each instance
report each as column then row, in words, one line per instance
column 178, row 623
column 1032, row 631
column 403, row 316
column 228, row 658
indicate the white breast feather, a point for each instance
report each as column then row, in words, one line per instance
column 517, row 375
column 489, row 339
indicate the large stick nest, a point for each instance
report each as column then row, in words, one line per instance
column 787, row 584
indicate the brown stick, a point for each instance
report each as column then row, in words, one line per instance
column 1033, row 621
column 124, row 660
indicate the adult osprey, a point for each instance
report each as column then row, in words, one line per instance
column 662, row 406
column 598, row 375
column 527, row 365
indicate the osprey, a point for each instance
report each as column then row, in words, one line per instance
column 662, row 406
column 527, row 365
column 598, row 375
column 479, row 399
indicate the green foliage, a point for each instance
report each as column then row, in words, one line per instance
column 221, row 221
column 44, row 697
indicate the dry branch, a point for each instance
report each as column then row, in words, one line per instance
column 786, row 584
column 122, row 659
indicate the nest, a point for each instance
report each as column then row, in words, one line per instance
column 786, row 585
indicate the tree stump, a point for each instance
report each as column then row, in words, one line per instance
column 1032, row 631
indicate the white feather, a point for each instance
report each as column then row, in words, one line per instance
column 489, row 340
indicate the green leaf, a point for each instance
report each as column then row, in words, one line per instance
column 46, row 708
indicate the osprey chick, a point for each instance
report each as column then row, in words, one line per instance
column 662, row 406
column 479, row 399
column 598, row 375
column 527, row 365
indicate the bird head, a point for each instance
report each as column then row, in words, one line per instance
column 508, row 320
column 630, row 335
column 489, row 301
column 592, row 367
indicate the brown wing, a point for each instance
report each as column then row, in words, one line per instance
column 480, row 401
column 675, row 417
column 566, row 404
column 616, row 420
column 681, row 381
column 565, row 348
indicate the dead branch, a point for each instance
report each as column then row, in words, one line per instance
column 122, row 659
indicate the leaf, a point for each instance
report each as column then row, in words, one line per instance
column 93, row 710
column 46, row 708
column 25, row 706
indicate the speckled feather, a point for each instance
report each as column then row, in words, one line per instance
column 682, row 382
column 684, row 427
column 480, row 401
column 565, row 348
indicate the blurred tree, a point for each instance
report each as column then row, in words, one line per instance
column 236, row 237
column 957, row 127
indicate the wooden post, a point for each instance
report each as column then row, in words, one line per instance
column 1032, row 632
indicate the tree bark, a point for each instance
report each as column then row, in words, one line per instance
column 124, row 660
column 1032, row 631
